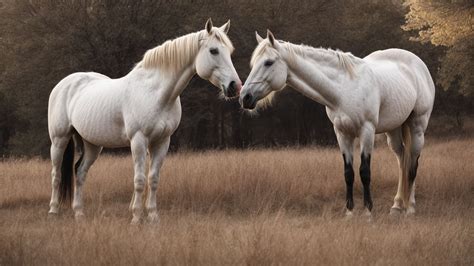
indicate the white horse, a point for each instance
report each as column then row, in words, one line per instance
column 140, row 110
column 389, row 91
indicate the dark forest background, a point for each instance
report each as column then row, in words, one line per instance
column 42, row 41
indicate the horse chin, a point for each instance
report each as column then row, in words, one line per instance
column 230, row 97
column 251, row 106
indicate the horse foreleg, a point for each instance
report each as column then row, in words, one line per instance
column 366, row 146
column 346, row 145
column 138, row 146
column 157, row 155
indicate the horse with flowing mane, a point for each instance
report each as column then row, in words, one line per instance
column 140, row 110
column 389, row 91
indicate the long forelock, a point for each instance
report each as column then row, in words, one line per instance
column 222, row 37
column 262, row 48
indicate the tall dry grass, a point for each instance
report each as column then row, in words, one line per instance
column 245, row 207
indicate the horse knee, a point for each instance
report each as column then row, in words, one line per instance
column 153, row 181
column 139, row 183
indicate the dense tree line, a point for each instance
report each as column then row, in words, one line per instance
column 42, row 41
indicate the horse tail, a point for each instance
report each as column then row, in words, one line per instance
column 67, row 171
column 406, row 163
column 67, row 175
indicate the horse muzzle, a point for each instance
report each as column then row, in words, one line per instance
column 233, row 89
column 248, row 101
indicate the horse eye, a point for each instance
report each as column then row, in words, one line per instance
column 214, row 51
column 269, row 63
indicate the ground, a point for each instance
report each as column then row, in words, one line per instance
column 282, row 206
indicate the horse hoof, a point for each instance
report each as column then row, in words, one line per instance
column 411, row 211
column 368, row 215
column 349, row 215
column 395, row 212
column 153, row 218
column 135, row 221
column 79, row 216
column 53, row 211
column 52, row 215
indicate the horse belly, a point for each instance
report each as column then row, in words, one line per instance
column 395, row 108
column 100, row 123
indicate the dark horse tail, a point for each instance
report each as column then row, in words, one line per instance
column 67, row 171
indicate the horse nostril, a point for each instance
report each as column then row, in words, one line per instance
column 231, row 90
column 247, row 101
column 247, row 97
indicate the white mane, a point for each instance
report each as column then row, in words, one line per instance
column 345, row 60
column 177, row 53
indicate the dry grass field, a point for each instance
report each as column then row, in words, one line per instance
column 246, row 207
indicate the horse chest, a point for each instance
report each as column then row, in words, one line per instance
column 344, row 123
column 351, row 115
column 164, row 127
column 162, row 122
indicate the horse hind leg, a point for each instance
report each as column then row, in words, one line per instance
column 395, row 142
column 58, row 149
column 90, row 153
column 417, row 135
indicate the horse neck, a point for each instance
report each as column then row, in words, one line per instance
column 316, row 75
column 168, row 84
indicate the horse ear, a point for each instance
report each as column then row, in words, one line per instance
column 209, row 25
column 270, row 37
column 258, row 37
column 225, row 28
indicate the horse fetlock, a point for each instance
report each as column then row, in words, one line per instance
column 53, row 209
column 411, row 209
column 367, row 212
column 135, row 220
column 79, row 215
column 137, row 208
column 398, row 202
column 77, row 206
column 349, row 213
column 55, row 181
column 151, row 204
column 153, row 217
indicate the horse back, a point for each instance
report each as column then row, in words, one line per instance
column 409, row 72
column 61, row 95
